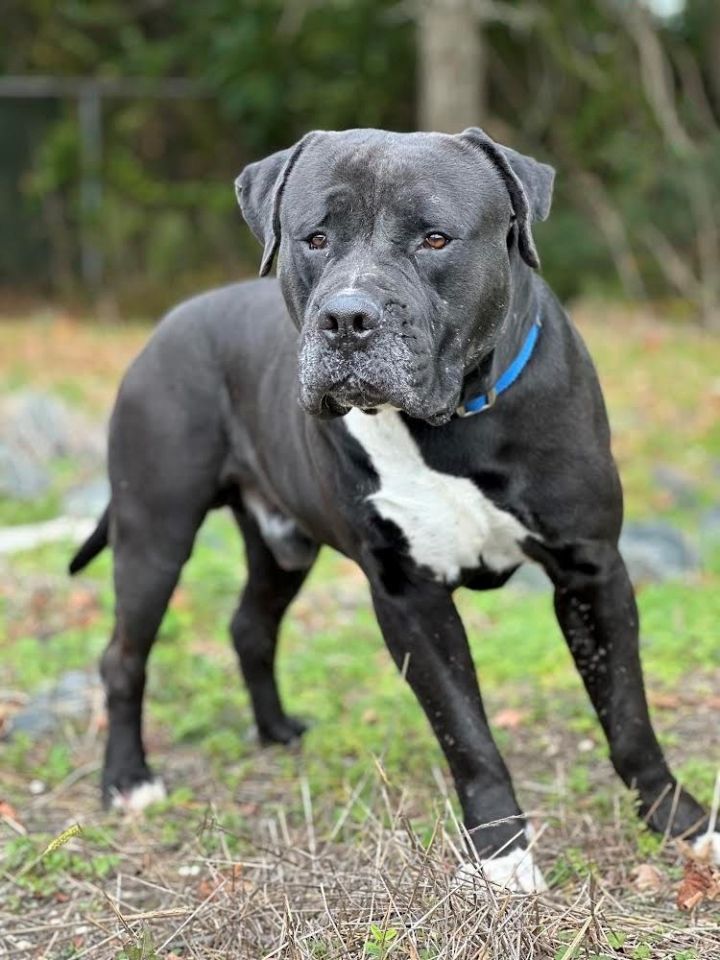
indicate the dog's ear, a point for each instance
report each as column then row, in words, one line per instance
column 529, row 183
column 259, row 190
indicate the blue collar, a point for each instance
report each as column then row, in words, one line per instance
column 506, row 380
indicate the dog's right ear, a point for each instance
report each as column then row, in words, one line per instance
column 259, row 190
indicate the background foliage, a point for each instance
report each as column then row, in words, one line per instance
column 624, row 103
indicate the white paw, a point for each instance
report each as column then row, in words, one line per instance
column 140, row 797
column 707, row 847
column 516, row 872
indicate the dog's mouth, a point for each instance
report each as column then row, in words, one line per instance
column 335, row 400
column 389, row 375
column 355, row 391
column 368, row 397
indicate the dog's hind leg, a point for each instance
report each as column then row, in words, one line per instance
column 254, row 628
column 149, row 552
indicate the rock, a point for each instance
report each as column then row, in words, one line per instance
column 72, row 697
column 28, row 536
column 36, row 423
column 43, row 427
column 33, row 721
column 709, row 524
column 530, row 578
column 709, row 527
column 89, row 499
column 21, row 477
column 655, row 551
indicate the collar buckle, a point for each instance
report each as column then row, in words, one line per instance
column 489, row 398
column 506, row 380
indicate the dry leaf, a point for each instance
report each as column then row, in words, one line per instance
column 180, row 599
column 509, row 719
column 700, row 882
column 232, row 875
column 6, row 810
column 664, row 701
column 206, row 887
column 646, row 878
column 8, row 813
column 654, row 339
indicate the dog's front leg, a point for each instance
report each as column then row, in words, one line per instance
column 427, row 641
column 596, row 610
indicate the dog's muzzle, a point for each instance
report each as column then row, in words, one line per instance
column 342, row 362
column 357, row 352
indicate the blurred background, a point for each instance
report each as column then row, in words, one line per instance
column 124, row 123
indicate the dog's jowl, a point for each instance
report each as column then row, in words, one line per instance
column 410, row 392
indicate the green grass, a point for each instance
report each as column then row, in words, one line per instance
column 334, row 670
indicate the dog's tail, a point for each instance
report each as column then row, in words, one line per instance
column 96, row 542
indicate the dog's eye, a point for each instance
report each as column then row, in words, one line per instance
column 435, row 241
column 317, row 241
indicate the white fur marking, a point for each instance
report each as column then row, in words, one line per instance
column 515, row 872
column 273, row 525
column 448, row 523
column 140, row 797
column 708, row 847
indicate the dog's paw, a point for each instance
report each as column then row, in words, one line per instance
column 515, row 872
column 285, row 729
column 707, row 848
column 136, row 798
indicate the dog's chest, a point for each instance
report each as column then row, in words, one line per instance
column 448, row 523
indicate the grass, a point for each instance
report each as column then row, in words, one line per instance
column 347, row 846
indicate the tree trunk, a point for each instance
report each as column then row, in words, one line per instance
column 451, row 66
column 713, row 60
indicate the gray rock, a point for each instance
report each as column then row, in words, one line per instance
column 33, row 721
column 27, row 536
column 21, row 476
column 709, row 524
column 44, row 427
column 88, row 499
column 530, row 578
column 72, row 697
column 37, row 423
column 655, row 551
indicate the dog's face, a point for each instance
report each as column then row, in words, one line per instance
column 395, row 258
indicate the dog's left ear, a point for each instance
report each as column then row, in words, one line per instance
column 259, row 190
column 529, row 183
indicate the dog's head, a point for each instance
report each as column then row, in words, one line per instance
column 395, row 259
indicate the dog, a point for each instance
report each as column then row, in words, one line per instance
column 450, row 427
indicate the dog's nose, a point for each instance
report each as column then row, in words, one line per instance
column 349, row 319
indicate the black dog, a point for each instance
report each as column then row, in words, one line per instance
column 406, row 266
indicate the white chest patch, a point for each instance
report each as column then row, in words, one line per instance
column 448, row 523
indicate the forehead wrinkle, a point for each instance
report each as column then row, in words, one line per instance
column 428, row 177
column 423, row 170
